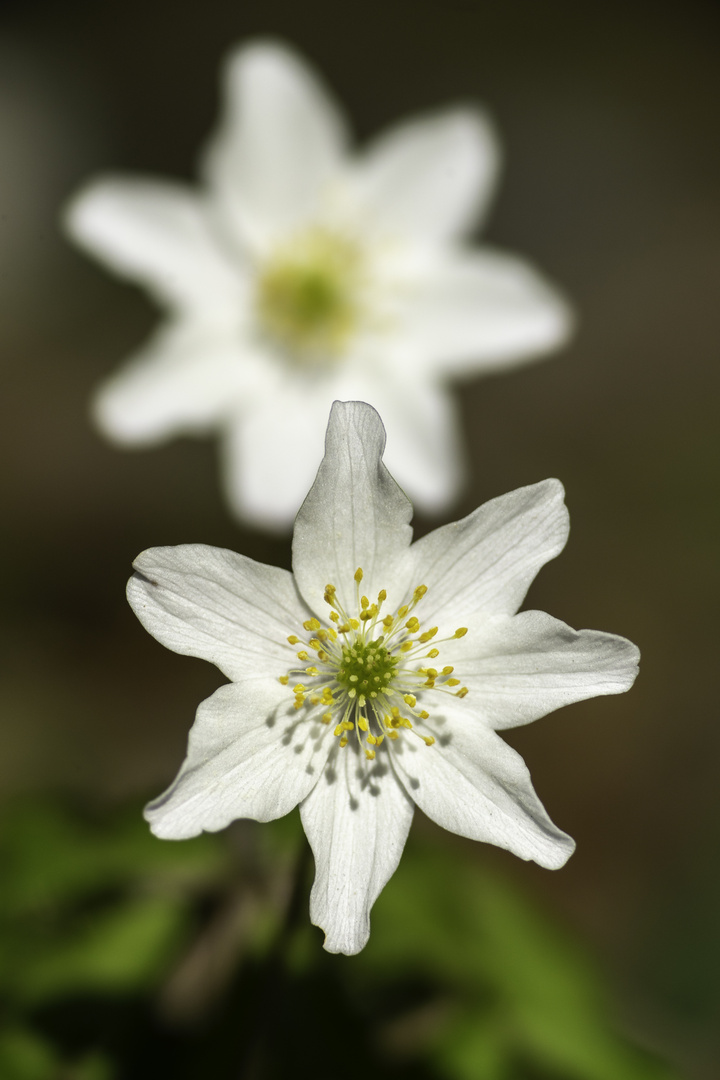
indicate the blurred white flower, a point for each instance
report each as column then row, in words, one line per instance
column 375, row 676
column 301, row 274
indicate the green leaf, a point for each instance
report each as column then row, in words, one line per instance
column 52, row 857
column 25, row 1055
column 122, row 949
column 523, row 990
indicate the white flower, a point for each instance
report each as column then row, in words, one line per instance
column 375, row 676
column 302, row 274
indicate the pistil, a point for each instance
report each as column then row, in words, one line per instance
column 363, row 675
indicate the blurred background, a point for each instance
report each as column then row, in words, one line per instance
column 122, row 955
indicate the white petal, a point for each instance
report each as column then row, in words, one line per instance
column 423, row 452
column 523, row 667
column 481, row 310
column 248, row 757
column 187, row 378
column 159, row 234
column 357, row 819
column 223, row 607
column 279, row 144
column 484, row 564
column 271, row 452
column 355, row 515
column 472, row 783
column 429, row 179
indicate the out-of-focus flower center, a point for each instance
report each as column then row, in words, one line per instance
column 309, row 295
column 365, row 674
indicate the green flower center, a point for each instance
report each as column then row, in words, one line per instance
column 366, row 668
column 367, row 673
column 308, row 295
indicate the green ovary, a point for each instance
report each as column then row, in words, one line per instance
column 307, row 299
column 366, row 668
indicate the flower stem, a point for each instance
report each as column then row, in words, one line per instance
column 270, row 1002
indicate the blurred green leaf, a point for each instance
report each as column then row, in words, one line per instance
column 24, row 1055
column 93, row 905
column 121, row 949
column 522, row 989
column 52, row 856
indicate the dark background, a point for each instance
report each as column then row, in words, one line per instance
column 608, row 115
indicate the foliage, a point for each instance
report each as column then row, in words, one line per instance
column 122, row 955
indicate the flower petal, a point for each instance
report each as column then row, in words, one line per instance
column 278, row 146
column 430, row 179
column 477, row 311
column 484, row 564
column 159, row 234
column 248, row 757
column 473, row 784
column 423, row 453
column 356, row 819
column 271, row 452
column 354, row 516
column 522, row 667
column 225, row 608
column 187, row 378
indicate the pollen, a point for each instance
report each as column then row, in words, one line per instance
column 369, row 680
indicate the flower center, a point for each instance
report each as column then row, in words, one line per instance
column 367, row 667
column 366, row 673
column 309, row 295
